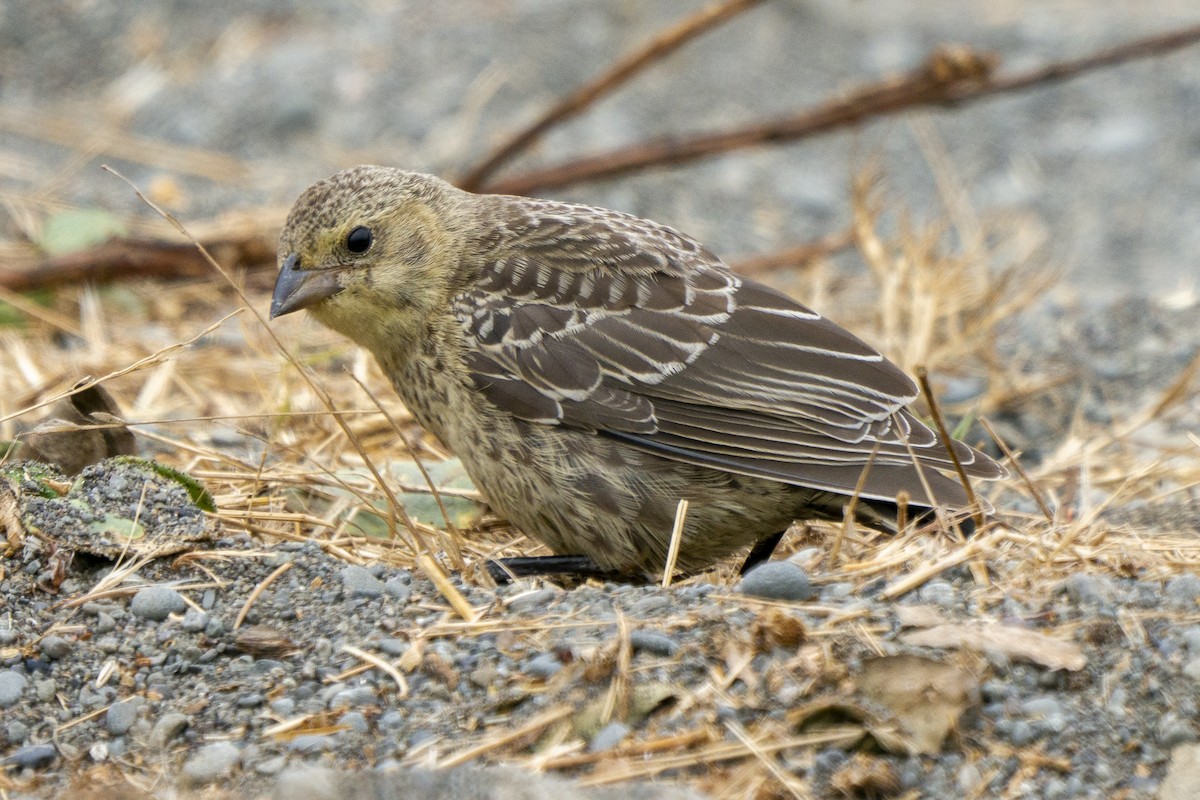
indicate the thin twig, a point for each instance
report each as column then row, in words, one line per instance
column 948, row 443
column 949, row 78
column 801, row 254
column 658, row 48
column 1011, row 457
column 676, row 539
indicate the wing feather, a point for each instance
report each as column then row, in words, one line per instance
column 609, row 323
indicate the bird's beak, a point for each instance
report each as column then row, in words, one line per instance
column 300, row 288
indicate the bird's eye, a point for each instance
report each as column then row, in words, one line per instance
column 359, row 240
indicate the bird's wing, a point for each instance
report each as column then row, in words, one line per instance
column 606, row 322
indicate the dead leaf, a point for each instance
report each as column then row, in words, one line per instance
column 82, row 429
column 920, row 616
column 10, row 517
column 777, row 627
column 1009, row 640
column 263, row 641
column 924, row 697
column 865, row 776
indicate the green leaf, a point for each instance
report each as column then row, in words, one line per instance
column 78, row 229
column 200, row 496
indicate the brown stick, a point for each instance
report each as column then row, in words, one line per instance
column 662, row 45
column 949, row 78
column 793, row 256
column 139, row 258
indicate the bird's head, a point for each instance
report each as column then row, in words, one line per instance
column 371, row 253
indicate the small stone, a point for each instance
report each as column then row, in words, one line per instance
column 1183, row 591
column 777, row 580
column 653, row 642
column 938, row 593
column 34, row 756
column 16, row 732
column 168, row 728
column 359, row 582
column 1022, row 733
column 194, row 621
column 398, row 589
column 358, row 696
column 283, row 707
column 105, row 623
column 45, row 689
column 211, row 763
column 156, row 603
column 608, row 737
column 56, row 648
column 1088, row 589
column 649, row 605
column 120, row 717
column 532, row 602
column 354, row 721
column 1192, row 669
column 310, row 744
column 542, row 666
column 12, row 685
column 1173, row 730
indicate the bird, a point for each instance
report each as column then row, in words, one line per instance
column 591, row 369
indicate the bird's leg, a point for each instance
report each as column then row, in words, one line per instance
column 761, row 551
column 503, row 570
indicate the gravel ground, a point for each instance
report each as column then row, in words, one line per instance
column 159, row 682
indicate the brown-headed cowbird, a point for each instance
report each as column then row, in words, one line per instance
column 591, row 368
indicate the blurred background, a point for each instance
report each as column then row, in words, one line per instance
column 215, row 106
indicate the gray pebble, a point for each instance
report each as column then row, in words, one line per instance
column 12, row 685
column 16, row 731
column 120, row 717
column 1182, row 591
column 56, row 648
column 45, row 689
column 358, row 696
column 34, row 756
column 1088, row 589
column 359, row 582
column 168, row 728
column 939, row 593
column 649, row 605
column 157, row 603
column 355, row 722
column 270, row 766
column 311, row 743
column 7, row 636
column 1022, row 733
column 1173, row 730
column 398, row 589
column 194, row 621
column 283, row 707
column 391, row 720
column 105, row 623
column 653, row 642
column 542, row 666
column 250, row 700
column 533, row 601
column 393, row 647
column 211, row 763
column 1191, row 638
column 777, row 580
column 608, row 737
